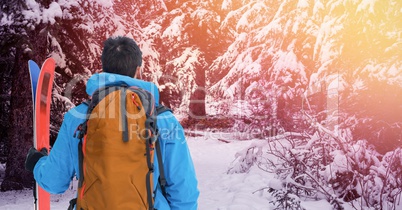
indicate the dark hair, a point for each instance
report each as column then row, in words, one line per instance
column 121, row 55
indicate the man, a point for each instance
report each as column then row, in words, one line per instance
column 121, row 61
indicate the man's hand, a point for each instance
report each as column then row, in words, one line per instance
column 32, row 158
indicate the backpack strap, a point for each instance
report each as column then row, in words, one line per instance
column 123, row 112
column 87, row 102
column 73, row 203
column 161, row 109
column 79, row 133
column 162, row 180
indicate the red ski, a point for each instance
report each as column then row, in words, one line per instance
column 42, row 121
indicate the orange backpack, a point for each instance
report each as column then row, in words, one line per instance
column 116, row 151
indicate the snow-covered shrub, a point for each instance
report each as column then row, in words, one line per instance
column 247, row 158
column 326, row 165
column 284, row 199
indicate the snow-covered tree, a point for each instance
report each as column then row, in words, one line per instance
column 318, row 57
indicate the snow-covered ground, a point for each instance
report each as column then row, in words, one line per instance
column 219, row 190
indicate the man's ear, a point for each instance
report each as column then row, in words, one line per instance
column 138, row 73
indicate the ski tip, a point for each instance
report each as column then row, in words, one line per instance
column 32, row 63
column 50, row 60
column 49, row 65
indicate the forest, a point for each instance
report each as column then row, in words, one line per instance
column 320, row 81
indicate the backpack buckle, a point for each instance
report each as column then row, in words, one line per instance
column 81, row 130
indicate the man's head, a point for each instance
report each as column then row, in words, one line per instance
column 121, row 55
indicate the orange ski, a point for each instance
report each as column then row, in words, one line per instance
column 42, row 121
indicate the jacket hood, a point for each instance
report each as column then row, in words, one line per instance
column 97, row 81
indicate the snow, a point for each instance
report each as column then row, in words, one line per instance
column 287, row 61
column 51, row 13
column 174, row 30
column 44, row 15
column 6, row 20
column 302, row 4
column 105, row 3
column 218, row 189
column 366, row 3
column 226, row 4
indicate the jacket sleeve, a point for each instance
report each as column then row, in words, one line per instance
column 55, row 171
column 181, row 182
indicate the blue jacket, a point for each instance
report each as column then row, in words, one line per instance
column 55, row 172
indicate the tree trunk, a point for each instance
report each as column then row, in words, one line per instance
column 5, row 87
column 21, row 127
column 197, row 99
column 21, row 116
